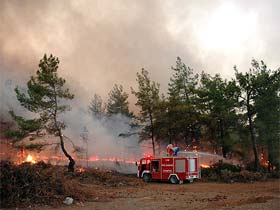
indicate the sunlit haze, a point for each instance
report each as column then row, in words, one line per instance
column 227, row 29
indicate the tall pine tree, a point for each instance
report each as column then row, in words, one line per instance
column 267, row 102
column 182, row 106
column 148, row 100
column 45, row 95
column 218, row 100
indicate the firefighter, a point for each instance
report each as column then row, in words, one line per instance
column 169, row 150
column 175, row 150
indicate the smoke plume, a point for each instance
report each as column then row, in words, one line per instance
column 100, row 43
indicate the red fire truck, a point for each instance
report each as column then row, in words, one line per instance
column 173, row 169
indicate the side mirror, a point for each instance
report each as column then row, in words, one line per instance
column 136, row 163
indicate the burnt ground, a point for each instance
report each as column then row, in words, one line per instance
column 197, row 195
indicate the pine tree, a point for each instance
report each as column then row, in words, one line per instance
column 95, row 107
column 117, row 102
column 218, row 99
column 147, row 99
column 267, row 103
column 247, row 84
column 182, row 102
column 45, row 94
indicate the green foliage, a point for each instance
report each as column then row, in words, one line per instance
column 14, row 134
column 183, row 82
column 35, row 146
column 232, row 115
column 243, row 176
column 117, row 102
column 225, row 172
column 219, row 166
column 147, row 94
column 95, row 106
column 182, row 107
column 247, row 85
column 148, row 100
column 217, row 171
column 162, row 123
column 267, row 106
column 44, row 96
column 25, row 125
column 260, row 102
column 218, row 100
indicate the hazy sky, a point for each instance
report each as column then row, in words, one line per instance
column 102, row 42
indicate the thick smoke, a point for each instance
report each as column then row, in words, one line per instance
column 104, row 137
column 103, row 42
column 98, row 43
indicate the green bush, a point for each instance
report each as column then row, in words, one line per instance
column 217, row 169
column 226, row 172
column 251, row 167
column 219, row 166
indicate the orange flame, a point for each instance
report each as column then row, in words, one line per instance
column 81, row 169
column 204, row 166
column 30, row 159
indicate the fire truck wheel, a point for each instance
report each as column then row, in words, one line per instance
column 147, row 177
column 174, row 180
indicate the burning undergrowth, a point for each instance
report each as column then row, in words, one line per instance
column 41, row 183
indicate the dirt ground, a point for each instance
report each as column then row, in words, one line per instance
column 197, row 195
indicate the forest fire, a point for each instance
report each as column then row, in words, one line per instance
column 81, row 169
column 204, row 166
column 263, row 160
column 30, row 159
column 22, row 157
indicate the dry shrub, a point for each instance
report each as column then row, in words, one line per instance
column 108, row 178
column 39, row 183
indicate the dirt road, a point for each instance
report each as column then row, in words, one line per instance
column 199, row 195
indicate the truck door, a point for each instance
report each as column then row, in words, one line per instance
column 155, row 169
column 192, row 165
column 180, row 168
column 144, row 166
column 193, row 168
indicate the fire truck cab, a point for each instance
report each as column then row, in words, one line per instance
column 173, row 169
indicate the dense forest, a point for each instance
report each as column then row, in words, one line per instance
column 237, row 117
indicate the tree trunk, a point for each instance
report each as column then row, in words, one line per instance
column 152, row 131
column 169, row 136
column 224, row 149
column 87, row 154
column 272, row 152
column 254, row 143
column 153, row 143
column 71, row 160
column 58, row 129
